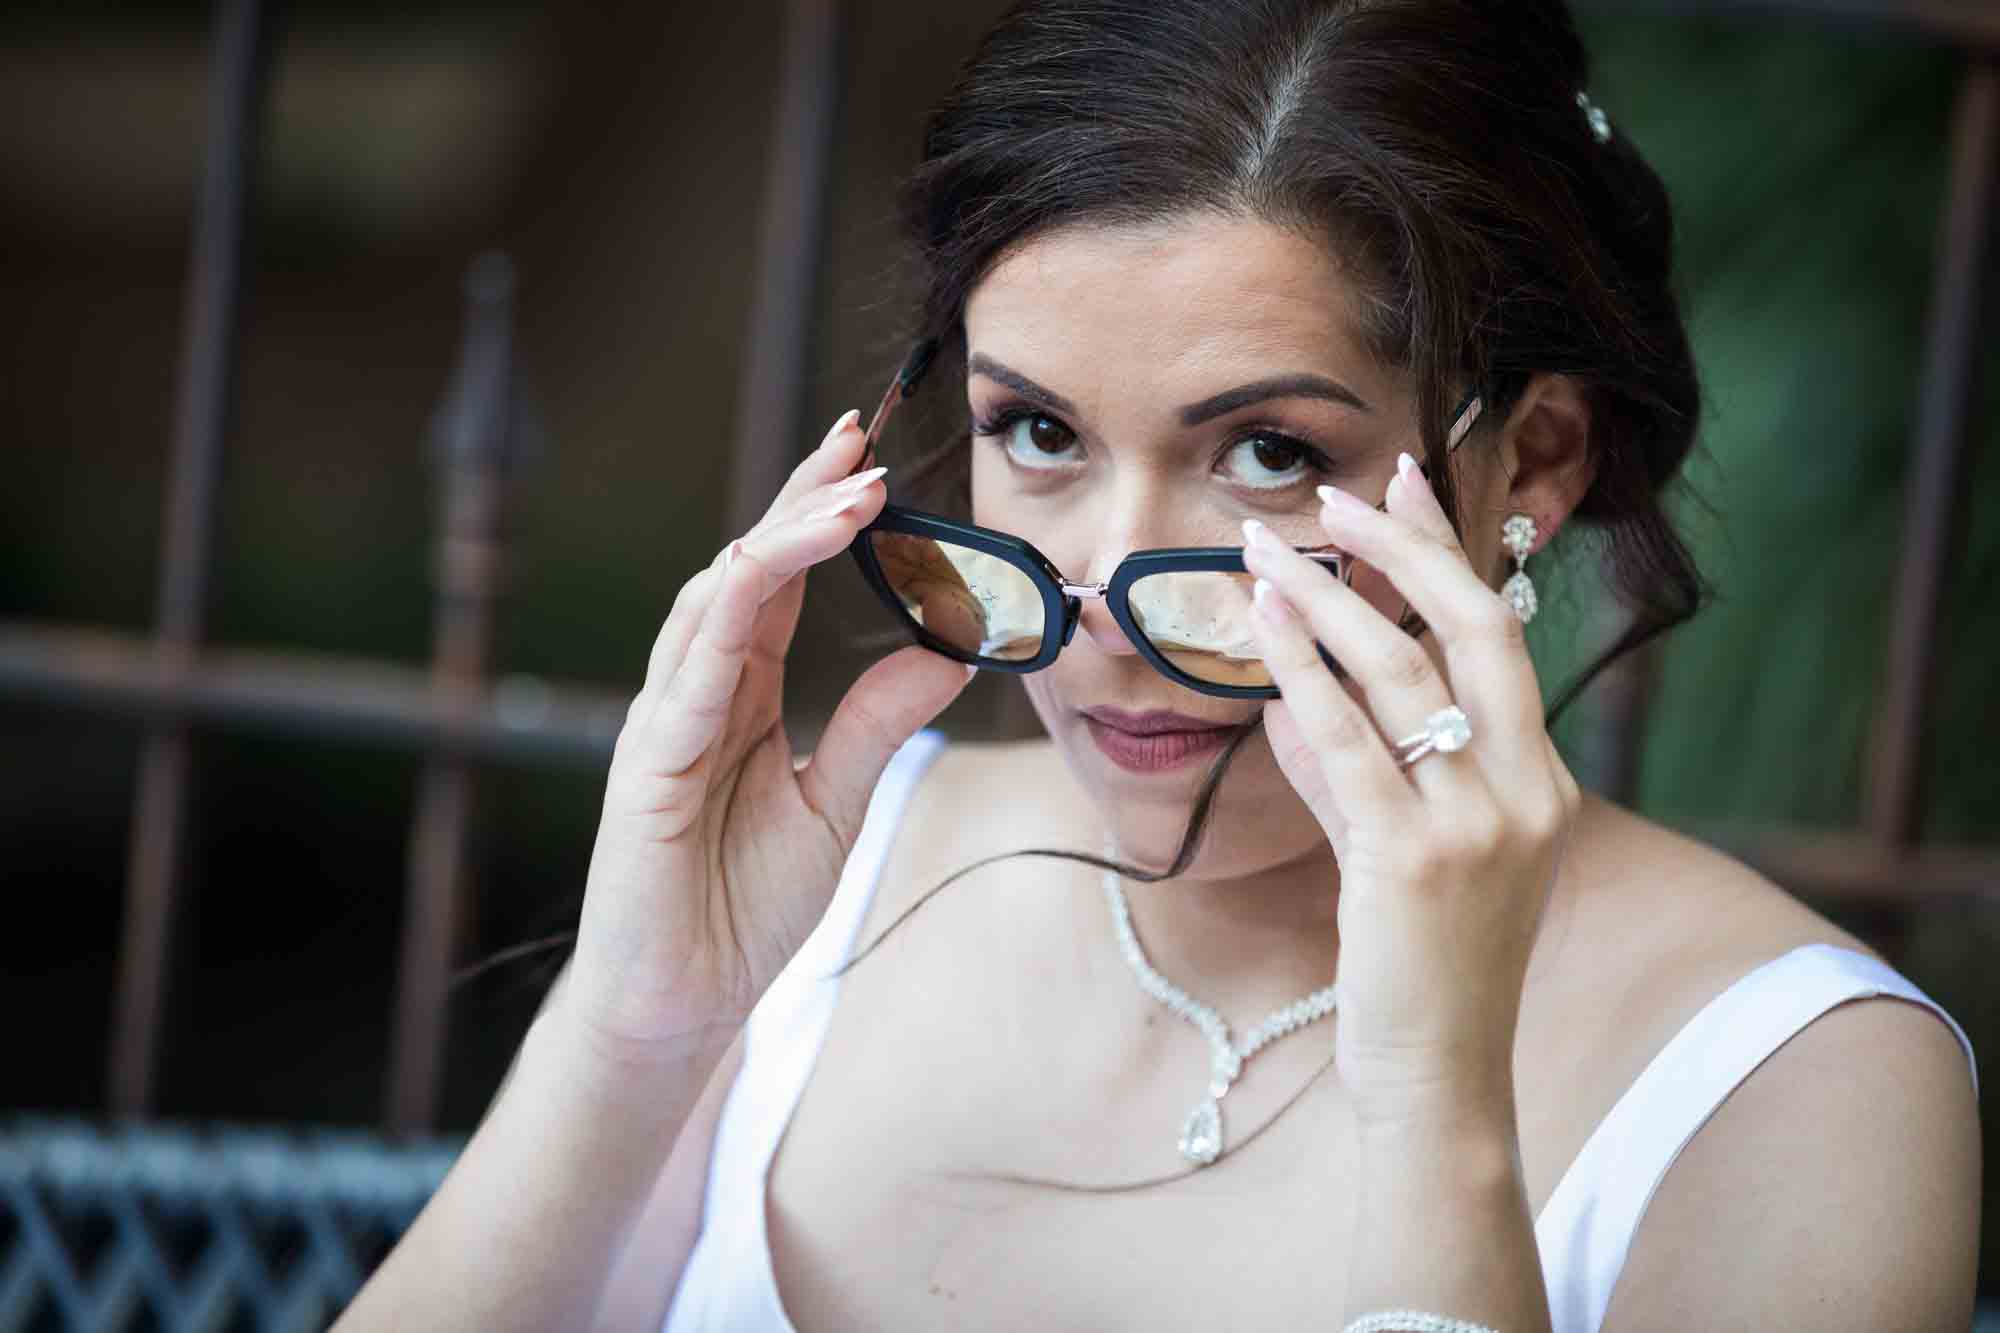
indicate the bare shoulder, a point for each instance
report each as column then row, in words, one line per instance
column 1677, row 919
column 977, row 799
column 1838, row 1185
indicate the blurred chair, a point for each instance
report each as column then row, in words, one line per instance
column 154, row 1227
column 160, row 1228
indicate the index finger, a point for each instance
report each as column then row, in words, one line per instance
column 1485, row 649
column 833, row 459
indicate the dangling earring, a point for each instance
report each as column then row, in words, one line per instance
column 1517, row 534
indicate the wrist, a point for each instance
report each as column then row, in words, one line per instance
column 1463, row 1098
column 606, row 1051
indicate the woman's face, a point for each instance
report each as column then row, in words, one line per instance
column 1146, row 386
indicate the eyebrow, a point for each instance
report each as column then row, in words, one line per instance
column 1301, row 385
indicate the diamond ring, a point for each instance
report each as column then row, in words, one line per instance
column 1446, row 730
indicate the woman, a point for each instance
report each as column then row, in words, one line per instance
column 1380, row 279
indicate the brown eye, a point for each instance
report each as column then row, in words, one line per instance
column 1269, row 462
column 1274, row 454
column 1046, row 435
column 1037, row 443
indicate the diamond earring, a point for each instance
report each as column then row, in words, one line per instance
column 1517, row 534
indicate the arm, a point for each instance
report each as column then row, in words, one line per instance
column 1836, row 1189
column 526, row 1228
column 1442, row 1221
column 690, row 909
column 648, row 1272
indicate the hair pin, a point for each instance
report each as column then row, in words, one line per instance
column 1600, row 124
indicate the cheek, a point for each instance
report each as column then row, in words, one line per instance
column 1055, row 521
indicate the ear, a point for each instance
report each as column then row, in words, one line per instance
column 1545, row 453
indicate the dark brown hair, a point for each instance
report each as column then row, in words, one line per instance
column 1438, row 147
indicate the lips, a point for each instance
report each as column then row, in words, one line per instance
column 1151, row 723
column 1153, row 741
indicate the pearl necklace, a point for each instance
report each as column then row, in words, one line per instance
column 1201, row 1132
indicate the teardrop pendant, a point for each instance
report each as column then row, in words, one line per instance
column 1201, row 1132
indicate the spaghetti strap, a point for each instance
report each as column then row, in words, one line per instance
column 728, row 1282
column 1587, row 1224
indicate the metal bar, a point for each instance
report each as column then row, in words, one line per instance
column 474, row 435
column 770, row 399
column 1968, row 23
column 342, row 700
column 1851, row 867
column 1936, row 500
column 203, row 415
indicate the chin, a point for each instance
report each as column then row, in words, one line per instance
column 1256, row 813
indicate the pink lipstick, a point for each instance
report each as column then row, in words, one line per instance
column 1154, row 741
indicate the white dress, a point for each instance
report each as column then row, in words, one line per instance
column 1582, row 1232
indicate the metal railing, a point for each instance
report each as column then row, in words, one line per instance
column 455, row 716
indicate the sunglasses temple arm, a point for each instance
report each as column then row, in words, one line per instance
column 890, row 397
column 907, row 378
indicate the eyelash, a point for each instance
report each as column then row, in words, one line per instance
column 996, row 425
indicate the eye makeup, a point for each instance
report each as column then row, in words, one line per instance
column 1001, row 425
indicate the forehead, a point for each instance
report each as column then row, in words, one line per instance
column 1195, row 297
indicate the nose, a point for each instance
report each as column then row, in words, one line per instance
column 1136, row 514
column 1096, row 618
column 1102, row 629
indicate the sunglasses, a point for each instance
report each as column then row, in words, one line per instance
column 991, row 600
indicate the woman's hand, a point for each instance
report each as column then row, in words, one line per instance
column 717, row 852
column 1444, row 865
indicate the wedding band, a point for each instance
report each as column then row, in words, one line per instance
column 1446, row 730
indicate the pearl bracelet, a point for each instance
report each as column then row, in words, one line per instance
column 1411, row 1321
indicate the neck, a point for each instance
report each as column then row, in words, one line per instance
column 1243, row 943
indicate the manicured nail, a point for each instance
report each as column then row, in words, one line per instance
column 1256, row 534
column 970, row 671
column 859, row 481
column 852, row 415
column 1338, row 501
column 1407, row 466
column 729, row 553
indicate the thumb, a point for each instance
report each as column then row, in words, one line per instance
column 881, row 710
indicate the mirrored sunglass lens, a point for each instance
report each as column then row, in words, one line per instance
column 1199, row 620
column 978, row 603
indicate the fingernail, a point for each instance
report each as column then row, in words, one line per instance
column 1256, row 534
column 970, row 671
column 1340, row 502
column 1407, row 466
column 852, row 415
column 859, row 481
column 729, row 553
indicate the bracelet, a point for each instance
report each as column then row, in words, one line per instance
column 1411, row 1321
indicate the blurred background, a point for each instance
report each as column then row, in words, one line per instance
column 696, row 206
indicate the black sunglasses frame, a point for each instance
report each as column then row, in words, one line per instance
column 1062, row 601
